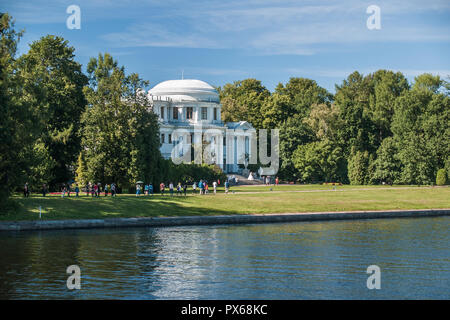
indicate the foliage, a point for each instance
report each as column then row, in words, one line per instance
column 359, row 168
column 320, row 161
column 53, row 83
column 441, row 177
column 16, row 120
column 387, row 166
column 120, row 141
column 243, row 100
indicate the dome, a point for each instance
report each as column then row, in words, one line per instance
column 185, row 90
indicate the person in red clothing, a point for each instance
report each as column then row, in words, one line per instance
column 161, row 188
column 276, row 180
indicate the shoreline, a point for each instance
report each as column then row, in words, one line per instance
column 216, row 220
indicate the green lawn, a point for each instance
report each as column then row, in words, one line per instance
column 296, row 198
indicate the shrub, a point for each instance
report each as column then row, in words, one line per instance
column 441, row 177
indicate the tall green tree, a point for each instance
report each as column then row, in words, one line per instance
column 53, row 85
column 243, row 100
column 320, row 161
column 421, row 131
column 387, row 166
column 302, row 93
column 16, row 120
column 120, row 133
column 360, row 167
column 286, row 109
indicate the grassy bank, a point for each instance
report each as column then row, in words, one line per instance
column 245, row 200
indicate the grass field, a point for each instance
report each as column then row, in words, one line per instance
column 244, row 200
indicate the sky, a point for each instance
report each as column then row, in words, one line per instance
column 221, row 41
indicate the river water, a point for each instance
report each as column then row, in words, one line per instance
column 306, row 260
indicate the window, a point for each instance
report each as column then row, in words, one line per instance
column 215, row 113
column 162, row 138
column 204, row 113
column 162, row 113
column 175, row 113
column 170, row 138
column 189, row 112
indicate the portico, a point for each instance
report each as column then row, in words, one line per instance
column 189, row 112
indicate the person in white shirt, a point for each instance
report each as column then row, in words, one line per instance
column 215, row 186
column 171, row 188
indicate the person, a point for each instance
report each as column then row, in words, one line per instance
column 171, row 189
column 161, row 188
column 179, row 189
column 113, row 189
column 91, row 189
column 77, row 190
column 194, row 187
column 26, row 190
column 185, row 188
column 68, row 190
column 96, row 189
column 99, row 189
column 87, row 188
column 150, row 189
column 206, row 187
column 44, row 190
column 146, row 189
column 227, row 186
column 237, row 180
column 63, row 190
column 106, row 190
column 215, row 186
column 201, row 186
column 138, row 189
column 276, row 181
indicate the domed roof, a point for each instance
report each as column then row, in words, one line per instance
column 186, row 89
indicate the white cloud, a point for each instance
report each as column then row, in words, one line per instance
column 262, row 27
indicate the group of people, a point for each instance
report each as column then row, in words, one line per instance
column 268, row 180
column 95, row 189
column 181, row 188
column 148, row 189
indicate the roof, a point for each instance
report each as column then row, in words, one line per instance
column 186, row 90
column 244, row 125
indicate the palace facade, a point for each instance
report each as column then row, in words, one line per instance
column 189, row 112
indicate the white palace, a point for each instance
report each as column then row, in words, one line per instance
column 193, row 108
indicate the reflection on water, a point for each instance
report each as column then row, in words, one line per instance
column 312, row 260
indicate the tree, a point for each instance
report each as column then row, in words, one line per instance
column 421, row 133
column 387, row 166
column 303, row 93
column 16, row 120
column 428, row 82
column 320, row 161
column 120, row 132
column 441, row 177
column 294, row 132
column 360, row 168
column 324, row 121
column 243, row 100
column 387, row 86
column 53, row 84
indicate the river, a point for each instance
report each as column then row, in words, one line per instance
column 305, row 260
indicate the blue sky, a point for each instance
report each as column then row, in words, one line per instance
column 224, row 41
